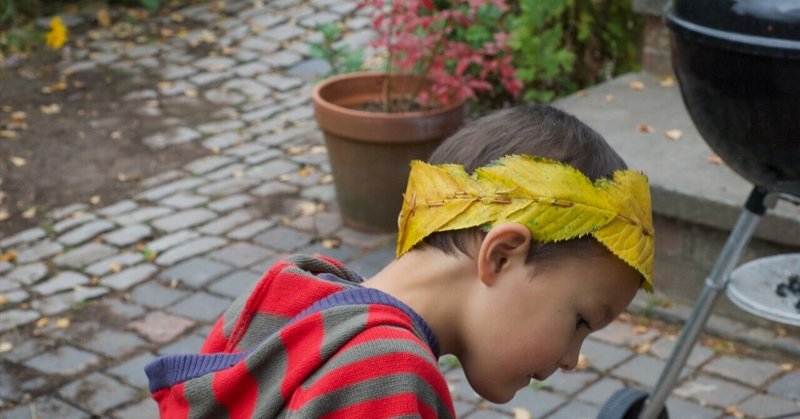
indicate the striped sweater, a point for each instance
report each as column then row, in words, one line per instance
column 307, row 341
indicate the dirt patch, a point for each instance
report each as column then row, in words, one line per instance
column 91, row 147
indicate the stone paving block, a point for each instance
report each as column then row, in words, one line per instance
column 343, row 8
column 161, row 178
column 365, row 240
column 322, row 193
column 788, row 386
column 16, row 317
column 644, row 369
column 98, row 393
column 241, row 254
column 714, row 391
column 110, row 263
column 230, row 203
column 63, row 360
column 208, row 164
column 128, row 235
column 228, row 186
column 621, row 333
column 283, row 239
column 268, row 20
column 142, row 214
column 260, row 45
column 184, row 200
column 244, row 150
column 188, row 345
column 160, row 327
column 281, row 83
column 196, row 272
column 58, row 303
column 250, row 229
column 129, row 277
column 223, row 96
column 143, row 50
column 322, row 224
column 215, row 64
column 39, row 251
column 112, row 343
column 201, row 306
column 226, row 223
column 272, row 126
column 153, row 294
column 170, row 188
column 284, row 32
column 132, row 370
column 173, row 72
column 357, row 39
column 15, row 296
column 171, row 240
column 250, row 88
column 485, row 413
column 178, row 89
column 373, row 262
column 5, row 266
column 663, row 347
column 570, row 382
column 251, row 69
column 599, row 392
column 184, row 219
column 262, row 157
column 73, row 221
column 299, row 113
column 147, row 408
column 343, row 253
column 748, row 371
column 226, row 172
column 319, row 19
column 538, row 402
column 261, row 113
column 46, row 407
column 234, row 284
column 217, row 127
column 21, row 351
column 28, row 274
column 274, row 188
column 602, row 356
column 204, row 79
column 84, row 255
column 763, row 405
column 357, row 23
column 272, row 169
column 117, row 208
column 65, row 280
column 190, row 249
column 576, row 410
column 122, row 309
column 59, row 213
column 23, row 237
column 678, row 408
column 172, row 136
column 225, row 140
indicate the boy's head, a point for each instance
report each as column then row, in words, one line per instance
column 534, row 302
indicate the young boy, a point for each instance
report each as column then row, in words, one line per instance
column 509, row 269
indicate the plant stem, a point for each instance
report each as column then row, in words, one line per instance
column 429, row 60
column 387, row 81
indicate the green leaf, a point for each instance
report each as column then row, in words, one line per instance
column 151, row 5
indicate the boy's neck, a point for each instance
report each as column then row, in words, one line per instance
column 433, row 284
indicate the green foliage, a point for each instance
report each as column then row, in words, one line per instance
column 561, row 46
column 341, row 59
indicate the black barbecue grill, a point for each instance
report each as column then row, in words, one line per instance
column 738, row 66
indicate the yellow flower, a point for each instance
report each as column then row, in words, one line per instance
column 57, row 36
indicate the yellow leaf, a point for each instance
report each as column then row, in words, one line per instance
column 29, row 213
column 673, row 134
column 42, row 322
column 645, row 128
column 94, row 200
column 636, row 85
column 8, row 256
column 521, row 413
column 115, row 267
column 7, row 133
column 583, row 362
column 668, row 81
column 50, row 109
column 6, row 347
column 19, row 117
column 714, row 160
column 609, row 98
column 3, row 299
column 103, row 18
column 787, row 367
column 62, row 323
column 18, row 161
column 331, row 243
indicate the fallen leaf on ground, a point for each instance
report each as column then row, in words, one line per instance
column 787, row 367
column 6, row 346
column 18, row 161
column 29, row 213
column 7, row 108
column 19, row 117
column 714, row 160
column 238, row 174
column 520, row 413
column 103, row 18
column 639, row 330
column 115, row 267
column 781, row 331
column 609, row 98
column 42, row 322
column 3, row 299
column 95, row 200
column 645, row 128
column 643, row 348
column 7, row 133
column 636, row 85
column 331, row 243
column 581, row 93
column 673, row 134
column 668, row 81
column 305, row 171
column 116, row 135
column 294, row 150
column 9, row 256
column 734, row 411
column 94, row 281
column 62, row 323
column 318, row 149
column 50, row 109
column 176, row 17
column 326, row 179
column 284, row 177
column 308, row 208
column 164, row 85
column 583, row 362
column 190, row 92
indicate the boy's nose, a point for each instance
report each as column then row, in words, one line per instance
column 570, row 359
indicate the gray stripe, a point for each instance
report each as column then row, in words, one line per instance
column 233, row 312
column 368, row 350
column 261, row 327
column 267, row 364
column 340, row 324
column 202, row 404
column 378, row 387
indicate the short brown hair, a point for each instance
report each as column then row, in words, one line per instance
column 527, row 129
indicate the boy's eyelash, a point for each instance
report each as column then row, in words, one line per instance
column 582, row 322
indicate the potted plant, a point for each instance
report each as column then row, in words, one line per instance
column 438, row 56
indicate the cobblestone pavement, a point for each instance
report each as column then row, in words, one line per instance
column 95, row 295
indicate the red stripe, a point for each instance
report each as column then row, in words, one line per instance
column 302, row 341
column 236, row 389
column 395, row 405
column 215, row 342
column 171, row 402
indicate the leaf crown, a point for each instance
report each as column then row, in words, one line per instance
column 553, row 200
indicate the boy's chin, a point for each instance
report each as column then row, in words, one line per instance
column 499, row 395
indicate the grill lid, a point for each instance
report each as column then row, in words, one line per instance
column 778, row 19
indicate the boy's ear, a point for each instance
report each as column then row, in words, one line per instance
column 503, row 246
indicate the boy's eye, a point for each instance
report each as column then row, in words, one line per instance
column 581, row 322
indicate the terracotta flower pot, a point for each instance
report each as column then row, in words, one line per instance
column 370, row 152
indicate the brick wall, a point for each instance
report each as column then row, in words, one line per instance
column 656, row 57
